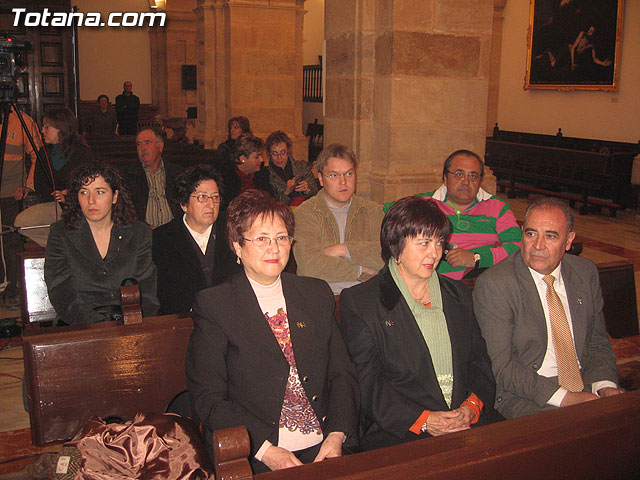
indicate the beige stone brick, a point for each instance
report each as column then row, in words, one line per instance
column 465, row 101
column 455, row 16
column 414, row 15
column 417, row 100
column 338, row 130
column 382, row 99
column 384, row 53
column 365, row 103
column 342, row 14
column 340, row 55
column 269, row 63
column 435, row 54
column 367, row 54
column 340, row 102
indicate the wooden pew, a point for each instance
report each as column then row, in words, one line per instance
column 594, row 440
column 104, row 369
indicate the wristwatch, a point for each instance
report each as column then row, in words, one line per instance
column 476, row 258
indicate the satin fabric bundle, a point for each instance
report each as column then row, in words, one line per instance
column 151, row 446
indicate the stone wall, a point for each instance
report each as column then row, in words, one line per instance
column 407, row 84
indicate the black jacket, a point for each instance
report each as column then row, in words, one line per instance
column 180, row 274
column 397, row 378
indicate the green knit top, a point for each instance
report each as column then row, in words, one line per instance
column 433, row 326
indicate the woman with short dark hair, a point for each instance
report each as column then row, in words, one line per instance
column 191, row 251
column 292, row 180
column 236, row 126
column 266, row 352
column 248, row 171
column 95, row 247
column 422, row 363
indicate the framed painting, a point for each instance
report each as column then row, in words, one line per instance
column 574, row 44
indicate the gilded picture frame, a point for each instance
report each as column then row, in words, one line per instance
column 574, row 44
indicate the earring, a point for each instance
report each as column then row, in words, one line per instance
column 238, row 260
column 398, row 261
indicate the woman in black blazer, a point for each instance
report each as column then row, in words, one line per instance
column 95, row 247
column 422, row 363
column 266, row 351
column 191, row 251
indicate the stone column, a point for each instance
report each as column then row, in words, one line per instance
column 407, row 84
column 496, row 55
column 250, row 63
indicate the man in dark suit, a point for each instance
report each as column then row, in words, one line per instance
column 150, row 179
column 517, row 304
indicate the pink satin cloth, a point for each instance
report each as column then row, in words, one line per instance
column 166, row 447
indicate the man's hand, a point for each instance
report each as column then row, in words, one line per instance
column 459, row 257
column 573, row 398
column 337, row 250
column 331, row 447
column 609, row 391
column 59, row 195
column 277, row 458
column 21, row 192
column 440, row 423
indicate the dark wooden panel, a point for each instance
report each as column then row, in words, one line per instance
column 618, row 284
column 594, row 440
column 51, row 54
column 105, row 369
column 53, row 84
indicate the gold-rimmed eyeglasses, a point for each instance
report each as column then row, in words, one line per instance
column 204, row 197
column 264, row 241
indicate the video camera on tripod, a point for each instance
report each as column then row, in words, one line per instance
column 12, row 63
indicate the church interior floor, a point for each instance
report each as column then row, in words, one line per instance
column 604, row 239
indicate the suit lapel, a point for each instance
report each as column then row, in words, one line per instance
column 301, row 321
column 576, row 293
column 250, row 318
column 531, row 298
column 82, row 240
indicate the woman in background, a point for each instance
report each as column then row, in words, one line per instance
column 191, row 251
column 236, row 126
column 95, row 247
column 65, row 150
column 292, row 180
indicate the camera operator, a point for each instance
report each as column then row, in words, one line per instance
column 14, row 187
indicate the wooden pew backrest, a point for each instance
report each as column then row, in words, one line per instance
column 104, row 369
column 593, row 440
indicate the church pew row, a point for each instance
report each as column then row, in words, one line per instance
column 594, row 440
column 105, row 369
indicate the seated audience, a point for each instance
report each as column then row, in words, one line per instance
column 191, row 251
column 485, row 230
column 291, row 180
column 422, row 364
column 236, row 126
column 95, row 247
column 540, row 312
column 101, row 121
column 248, row 171
column 296, row 411
column 64, row 150
column 338, row 232
column 150, row 179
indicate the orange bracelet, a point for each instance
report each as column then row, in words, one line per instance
column 417, row 425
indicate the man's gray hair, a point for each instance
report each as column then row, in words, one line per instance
column 156, row 132
column 549, row 203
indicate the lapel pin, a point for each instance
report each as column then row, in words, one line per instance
column 389, row 323
column 301, row 324
column 580, row 301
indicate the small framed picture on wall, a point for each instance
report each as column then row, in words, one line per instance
column 574, row 44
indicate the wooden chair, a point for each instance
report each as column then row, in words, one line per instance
column 35, row 307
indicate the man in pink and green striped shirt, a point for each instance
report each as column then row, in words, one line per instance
column 485, row 230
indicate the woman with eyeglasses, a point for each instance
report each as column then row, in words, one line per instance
column 292, row 180
column 191, row 251
column 266, row 351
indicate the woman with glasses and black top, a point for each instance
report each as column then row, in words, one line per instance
column 191, row 251
column 266, row 351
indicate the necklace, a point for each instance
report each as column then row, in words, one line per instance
column 425, row 298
